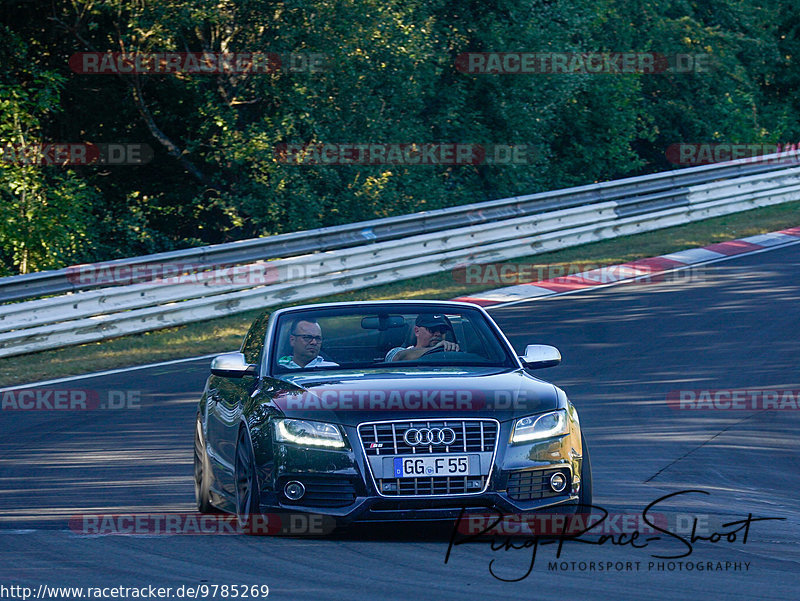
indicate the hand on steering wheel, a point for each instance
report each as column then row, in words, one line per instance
column 444, row 345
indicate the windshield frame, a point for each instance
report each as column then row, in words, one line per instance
column 269, row 367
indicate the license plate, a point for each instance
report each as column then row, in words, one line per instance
column 414, row 467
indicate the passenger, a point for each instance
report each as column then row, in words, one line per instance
column 305, row 338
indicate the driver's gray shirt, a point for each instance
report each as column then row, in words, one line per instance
column 391, row 354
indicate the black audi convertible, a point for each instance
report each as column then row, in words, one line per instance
column 386, row 411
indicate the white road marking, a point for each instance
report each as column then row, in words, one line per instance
column 695, row 253
column 697, row 263
column 109, row 372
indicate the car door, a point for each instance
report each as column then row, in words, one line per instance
column 226, row 400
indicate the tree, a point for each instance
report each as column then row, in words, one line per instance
column 45, row 208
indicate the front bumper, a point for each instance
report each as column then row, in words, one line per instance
column 374, row 509
column 341, row 483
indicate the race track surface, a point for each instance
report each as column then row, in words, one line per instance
column 733, row 325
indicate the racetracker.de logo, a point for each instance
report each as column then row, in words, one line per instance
column 508, row 274
column 427, row 400
column 76, row 154
column 69, row 399
column 175, row 273
column 733, row 399
column 174, row 524
column 197, row 63
column 559, row 524
column 405, row 154
column 523, row 63
column 708, row 153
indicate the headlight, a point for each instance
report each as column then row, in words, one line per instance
column 537, row 427
column 302, row 432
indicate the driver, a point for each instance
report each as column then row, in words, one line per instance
column 429, row 330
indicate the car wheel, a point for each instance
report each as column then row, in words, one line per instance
column 585, row 495
column 202, row 471
column 248, row 502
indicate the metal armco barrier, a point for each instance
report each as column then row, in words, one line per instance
column 656, row 188
column 326, row 261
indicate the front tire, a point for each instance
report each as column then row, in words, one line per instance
column 585, row 494
column 202, row 471
column 248, row 499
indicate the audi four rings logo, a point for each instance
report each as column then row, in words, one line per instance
column 427, row 436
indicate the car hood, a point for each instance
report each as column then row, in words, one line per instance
column 350, row 398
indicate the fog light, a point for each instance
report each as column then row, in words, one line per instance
column 294, row 490
column 558, row 482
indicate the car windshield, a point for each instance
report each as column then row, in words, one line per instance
column 385, row 335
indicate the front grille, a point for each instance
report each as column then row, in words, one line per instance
column 471, row 436
column 531, row 485
column 437, row 485
column 427, row 485
column 387, row 438
column 323, row 492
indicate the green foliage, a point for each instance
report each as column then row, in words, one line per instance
column 389, row 76
column 45, row 211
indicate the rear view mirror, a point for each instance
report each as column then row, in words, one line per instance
column 232, row 365
column 538, row 356
column 383, row 322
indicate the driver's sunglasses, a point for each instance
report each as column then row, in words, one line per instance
column 438, row 329
column 308, row 338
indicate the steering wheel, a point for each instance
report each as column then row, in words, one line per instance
column 437, row 349
column 454, row 357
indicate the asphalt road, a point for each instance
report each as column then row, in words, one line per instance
column 625, row 349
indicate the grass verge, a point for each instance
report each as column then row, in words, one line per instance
column 226, row 333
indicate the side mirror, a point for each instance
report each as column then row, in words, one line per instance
column 232, row 365
column 538, row 356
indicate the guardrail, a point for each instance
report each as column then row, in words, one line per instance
column 494, row 231
column 658, row 187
